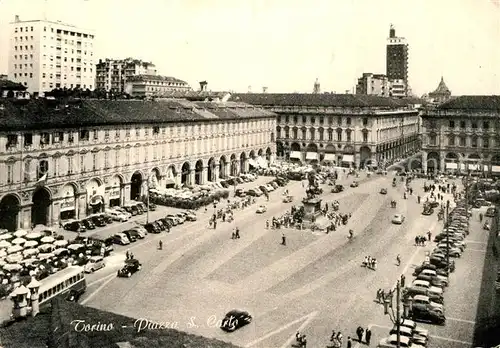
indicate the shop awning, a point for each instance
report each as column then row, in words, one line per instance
column 485, row 168
column 348, row 158
column 312, row 156
column 296, row 154
column 473, row 166
column 330, row 157
column 262, row 162
column 495, row 169
column 67, row 204
column 252, row 162
column 462, row 166
column 96, row 200
column 169, row 182
column 451, row 165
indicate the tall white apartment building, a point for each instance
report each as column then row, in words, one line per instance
column 44, row 55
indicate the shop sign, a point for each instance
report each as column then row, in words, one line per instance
column 68, row 203
column 114, row 193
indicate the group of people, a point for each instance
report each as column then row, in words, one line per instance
column 301, row 340
column 420, row 240
column 370, row 262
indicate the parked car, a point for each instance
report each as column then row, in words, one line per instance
column 398, row 219
column 254, row 193
column 354, row 184
column 383, row 191
column 429, row 316
column 415, row 338
column 152, row 228
column 261, row 209
column 132, row 210
column 131, row 266
column 416, row 328
column 130, row 235
column 121, row 239
column 89, row 225
column 190, row 216
column 239, row 193
column 490, row 212
column 94, row 263
column 75, row 226
column 117, row 215
column 288, row 199
column 423, row 301
column 97, row 220
column 337, row 189
column 427, row 211
column 235, row 319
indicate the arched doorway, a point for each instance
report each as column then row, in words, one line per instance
column 252, row 154
column 185, row 171
column 312, row 154
column 222, row 167
column 330, row 156
column 198, row 169
column 269, row 153
column 9, row 212
column 260, row 153
column 474, row 162
column 95, row 196
column 433, row 164
column 211, row 169
column 495, row 164
column 171, row 175
column 280, row 150
column 295, row 147
column 67, row 207
column 234, row 165
column 451, row 162
column 115, row 191
column 243, row 158
column 295, row 152
column 365, row 154
column 136, row 186
column 40, row 210
column 154, row 178
column 347, row 158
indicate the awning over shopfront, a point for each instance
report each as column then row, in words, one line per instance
column 262, row 162
column 462, row 166
column 451, row 165
column 96, row 200
column 169, row 182
column 348, row 158
column 67, row 204
column 473, row 166
column 114, row 192
column 296, row 154
column 312, row 156
column 252, row 162
column 330, row 157
column 495, row 169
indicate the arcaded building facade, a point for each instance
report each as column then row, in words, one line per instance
column 342, row 129
column 67, row 159
column 462, row 135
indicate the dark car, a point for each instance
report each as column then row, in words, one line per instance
column 263, row 189
column 152, row 206
column 434, row 204
column 166, row 222
column 239, row 193
column 152, row 228
column 107, row 219
column 89, row 225
column 235, row 319
column 130, row 235
column 131, row 266
column 224, row 184
column 337, row 189
column 140, row 209
column 490, row 212
column 440, row 262
column 75, row 226
column 98, row 221
column 253, row 193
column 423, row 266
column 428, row 315
column 383, row 191
column 428, row 211
column 132, row 210
column 160, row 225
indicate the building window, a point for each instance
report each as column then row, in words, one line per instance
column 127, row 132
column 312, row 131
column 117, row 157
column 287, row 132
column 348, row 121
column 339, row 121
column 10, row 173
column 136, row 154
column 84, row 135
column 27, row 170
column 43, row 168
column 106, row 159
column 82, row 163
column 137, row 132
column 474, row 125
column 339, row 134
column 321, row 133
column 304, row 133
column 365, row 121
column 462, row 140
column 313, row 120
column 473, row 142
column 462, row 124
column 127, row 156
column 330, row 134
column 11, row 141
column 304, row 119
column 321, row 120
column 57, row 137
column 156, row 130
column 44, row 138
column 365, row 136
column 295, row 133
column 432, row 139
column 452, row 124
column 70, row 164
column 71, row 137
column 348, row 133
column 486, row 142
column 295, row 119
column 146, row 154
column 96, row 134
column 106, row 134
column 146, row 131
column 451, row 140
column 486, row 125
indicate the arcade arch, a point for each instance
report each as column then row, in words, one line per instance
column 40, row 210
column 185, row 171
column 136, row 186
column 67, row 206
column 198, row 169
column 10, row 205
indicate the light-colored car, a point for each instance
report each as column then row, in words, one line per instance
column 190, row 216
column 425, row 301
column 416, row 328
column 121, row 210
column 398, row 219
column 269, row 188
column 94, row 263
column 408, row 332
column 261, row 209
column 117, row 216
column 432, row 273
column 392, row 342
column 425, row 284
column 140, row 231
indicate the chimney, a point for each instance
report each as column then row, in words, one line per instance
column 392, row 32
column 264, row 89
column 249, row 89
column 16, row 19
column 203, row 86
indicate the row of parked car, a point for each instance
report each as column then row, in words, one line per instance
column 431, row 278
column 110, row 215
column 262, row 189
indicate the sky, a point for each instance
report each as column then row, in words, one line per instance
column 286, row 44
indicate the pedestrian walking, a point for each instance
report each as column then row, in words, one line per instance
column 127, row 255
column 283, row 239
column 403, row 279
column 398, row 260
column 215, row 224
column 429, row 235
column 349, row 342
column 480, row 217
column 418, row 199
column 368, row 336
column 160, row 245
column 359, row 333
column 237, row 233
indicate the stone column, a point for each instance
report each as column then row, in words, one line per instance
column 56, row 211
column 192, row 177
column 204, row 176
column 441, row 162
column 215, row 171
column 424, row 162
column 125, row 193
column 82, row 205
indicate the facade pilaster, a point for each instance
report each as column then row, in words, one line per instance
column 82, row 205
column 424, row 162
column 192, row 177
column 125, row 193
column 24, row 219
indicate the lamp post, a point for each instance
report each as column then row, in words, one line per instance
column 447, row 223
column 396, row 318
column 147, row 199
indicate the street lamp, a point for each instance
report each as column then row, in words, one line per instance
column 396, row 318
column 447, row 224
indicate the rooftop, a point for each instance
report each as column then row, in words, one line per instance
column 125, row 61
column 441, row 89
column 11, row 86
column 52, row 328
column 20, row 114
column 472, row 102
column 155, row 78
column 323, row 100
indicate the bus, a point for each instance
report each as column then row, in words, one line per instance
column 68, row 283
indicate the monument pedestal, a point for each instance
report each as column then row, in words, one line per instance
column 312, row 210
